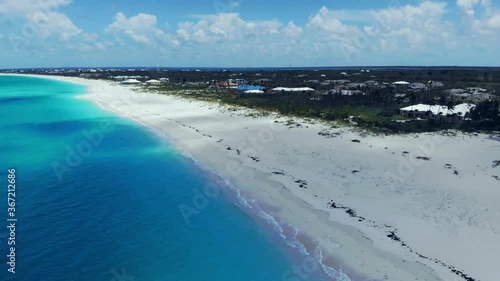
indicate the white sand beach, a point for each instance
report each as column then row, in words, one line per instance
column 406, row 207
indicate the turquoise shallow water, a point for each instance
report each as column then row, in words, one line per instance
column 98, row 198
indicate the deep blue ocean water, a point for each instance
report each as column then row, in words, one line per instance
column 98, row 197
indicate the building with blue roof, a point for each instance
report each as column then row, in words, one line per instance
column 250, row 88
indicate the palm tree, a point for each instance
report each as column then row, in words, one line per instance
column 429, row 114
column 450, row 106
column 431, row 104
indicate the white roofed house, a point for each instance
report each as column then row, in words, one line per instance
column 475, row 96
column 118, row 78
column 401, row 97
column 341, row 82
column 449, row 114
column 460, row 97
column 131, row 82
column 351, row 92
column 401, row 84
column 418, row 86
column 371, row 83
column 240, row 81
column 480, row 97
column 454, row 91
column 475, row 90
column 356, row 85
column 298, row 89
column 422, row 111
column 312, row 82
column 463, row 110
column 153, row 82
column 435, row 84
column 254, row 92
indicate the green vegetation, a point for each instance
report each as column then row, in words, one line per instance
column 377, row 111
column 372, row 103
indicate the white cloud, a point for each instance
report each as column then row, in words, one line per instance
column 211, row 29
column 467, row 6
column 38, row 19
column 417, row 24
column 329, row 36
column 141, row 28
column 382, row 31
column 413, row 30
column 88, row 47
column 138, row 27
column 485, row 23
column 23, row 7
column 327, row 22
column 228, row 34
column 90, row 37
column 47, row 24
column 292, row 31
column 494, row 22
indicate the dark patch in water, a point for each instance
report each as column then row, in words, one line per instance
column 22, row 99
column 60, row 127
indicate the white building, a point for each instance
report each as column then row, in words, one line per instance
column 254, row 92
column 475, row 90
column 402, row 84
column 153, row 82
column 418, row 86
column 131, row 82
column 435, row 84
column 437, row 111
column 298, row 89
column 454, row 91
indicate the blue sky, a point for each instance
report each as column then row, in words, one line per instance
column 244, row 33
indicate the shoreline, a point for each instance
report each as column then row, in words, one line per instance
column 281, row 176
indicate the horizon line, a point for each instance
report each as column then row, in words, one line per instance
column 250, row 67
